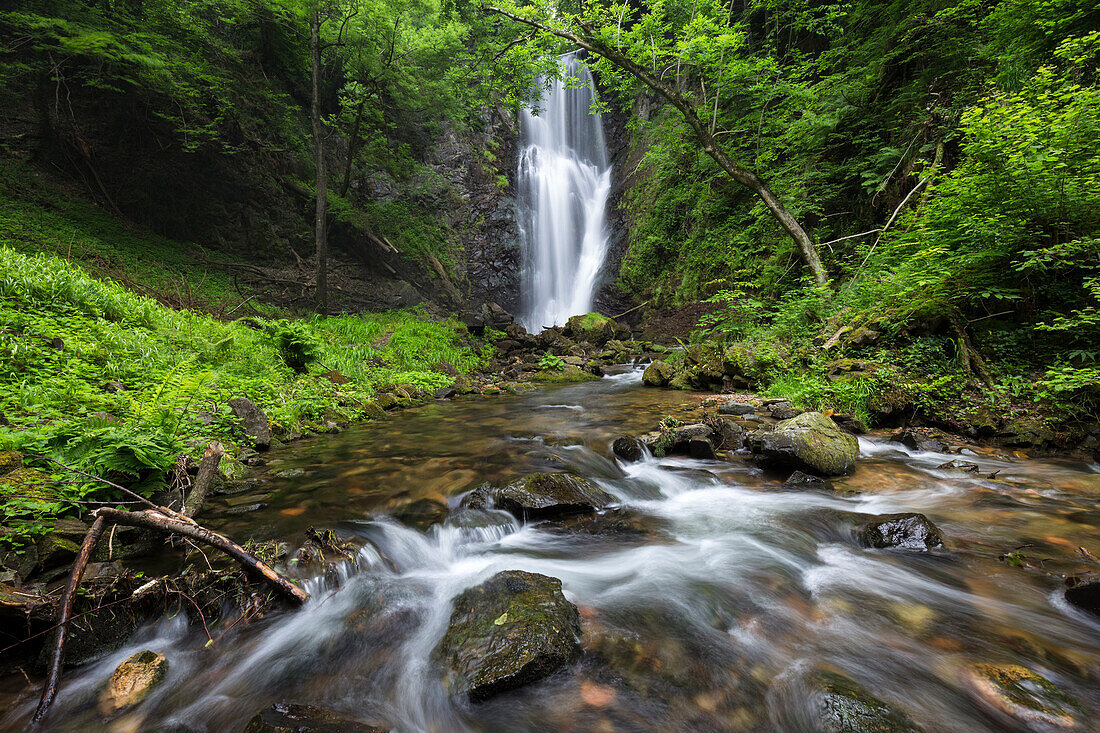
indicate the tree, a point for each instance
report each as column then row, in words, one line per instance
column 600, row 31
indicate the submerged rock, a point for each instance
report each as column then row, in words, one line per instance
column 842, row 706
column 421, row 514
column 628, row 448
column 542, row 495
column 908, row 531
column 1020, row 694
column 132, row 681
column 801, row 480
column 657, row 374
column 513, row 629
column 810, row 442
column 253, row 420
column 289, row 718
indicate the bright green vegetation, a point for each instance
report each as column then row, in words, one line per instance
column 178, row 368
column 940, row 153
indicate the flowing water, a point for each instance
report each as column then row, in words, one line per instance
column 706, row 614
column 564, row 181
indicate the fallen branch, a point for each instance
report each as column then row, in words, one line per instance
column 631, row 310
column 49, row 691
column 150, row 519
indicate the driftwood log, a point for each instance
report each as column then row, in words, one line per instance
column 207, row 469
column 163, row 520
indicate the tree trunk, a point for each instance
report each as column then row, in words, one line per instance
column 353, row 147
column 711, row 147
column 320, row 231
column 207, row 468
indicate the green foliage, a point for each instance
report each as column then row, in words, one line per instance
column 179, row 370
column 551, row 363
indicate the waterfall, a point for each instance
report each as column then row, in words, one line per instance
column 564, row 182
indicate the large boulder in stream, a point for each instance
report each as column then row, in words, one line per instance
column 595, row 328
column 809, row 442
column 909, row 531
column 512, row 630
column 543, row 495
column 657, row 374
column 290, row 718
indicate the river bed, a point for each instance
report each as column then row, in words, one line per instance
column 707, row 614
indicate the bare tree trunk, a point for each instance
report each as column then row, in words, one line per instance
column 710, row 145
column 207, row 468
column 353, row 147
column 49, row 690
column 320, row 231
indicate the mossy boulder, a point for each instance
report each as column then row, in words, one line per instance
column 132, row 681
column 657, row 374
column 1018, row 694
column 289, row 718
column 568, row 373
column 628, row 448
column 909, row 531
column 842, row 706
column 809, row 442
column 595, row 328
column 512, row 630
column 543, row 495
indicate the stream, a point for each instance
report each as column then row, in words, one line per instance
column 707, row 613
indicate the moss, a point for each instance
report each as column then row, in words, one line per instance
column 566, row 375
column 1025, row 695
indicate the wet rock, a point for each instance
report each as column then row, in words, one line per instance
column 842, row 706
column 957, row 465
column 512, row 630
column 445, row 393
column 801, row 481
column 132, row 681
column 736, row 408
column 542, row 495
column 253, row 420
column 809, row 442
column 850, row 424
column 908, row 531
column 701, row 447
column 1016, row 693
column 481, row 498
column 783, row 411
column 1085, row 595
column 422, row 514
column 628, row 448
column 915, row 439
column 289, row 718
column 657, row 374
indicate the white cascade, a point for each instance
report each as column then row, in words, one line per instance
column 564, row 182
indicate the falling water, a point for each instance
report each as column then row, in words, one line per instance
column 564, row 181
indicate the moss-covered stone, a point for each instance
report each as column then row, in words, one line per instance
column 809, row 442
column 1023, row 695
column 565, row 375
column 595, row 328
column 657, row 374
column 512, row 630
column 845, row 707
column 542, row 495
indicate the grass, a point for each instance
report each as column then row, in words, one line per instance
column 66, row 336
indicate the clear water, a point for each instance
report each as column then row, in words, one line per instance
column 708, row 619
column 564, row 182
